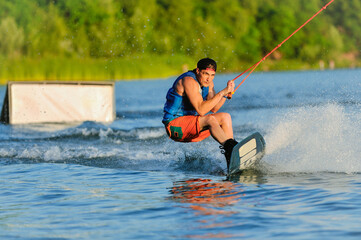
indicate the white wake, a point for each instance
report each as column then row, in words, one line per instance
column 312, row 139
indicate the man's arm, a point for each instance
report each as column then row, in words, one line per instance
column 211, row 94
column 191, row 89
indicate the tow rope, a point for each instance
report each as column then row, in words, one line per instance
column 251, row 69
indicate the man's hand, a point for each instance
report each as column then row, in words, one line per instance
column 230, row 88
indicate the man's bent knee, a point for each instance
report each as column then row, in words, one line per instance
column 209, row 121
column 223, row 118
column 226, row 117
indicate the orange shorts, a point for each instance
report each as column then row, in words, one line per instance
column 186, row 129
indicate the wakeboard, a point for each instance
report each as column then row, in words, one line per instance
column 247, row 153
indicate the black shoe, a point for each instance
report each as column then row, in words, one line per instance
column 227, row 149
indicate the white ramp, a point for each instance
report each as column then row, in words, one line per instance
column 58, row 102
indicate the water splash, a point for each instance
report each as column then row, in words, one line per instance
column 314, row 139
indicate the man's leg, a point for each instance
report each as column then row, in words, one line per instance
column 220, row 126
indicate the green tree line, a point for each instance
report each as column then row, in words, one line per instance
column 117, row 39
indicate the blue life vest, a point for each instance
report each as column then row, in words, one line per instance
column 177, row 105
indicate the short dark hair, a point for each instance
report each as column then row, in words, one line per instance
column 207, row 63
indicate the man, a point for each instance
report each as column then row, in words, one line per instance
column 189, row 101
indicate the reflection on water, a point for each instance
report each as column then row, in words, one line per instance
column 209, row 198
column 213, row 200
column 207, row 195
column 250, row 176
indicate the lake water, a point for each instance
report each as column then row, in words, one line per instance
column 127, row 180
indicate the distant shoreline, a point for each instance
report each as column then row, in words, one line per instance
column 136, row 67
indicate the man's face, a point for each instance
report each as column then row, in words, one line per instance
column 205, row 76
